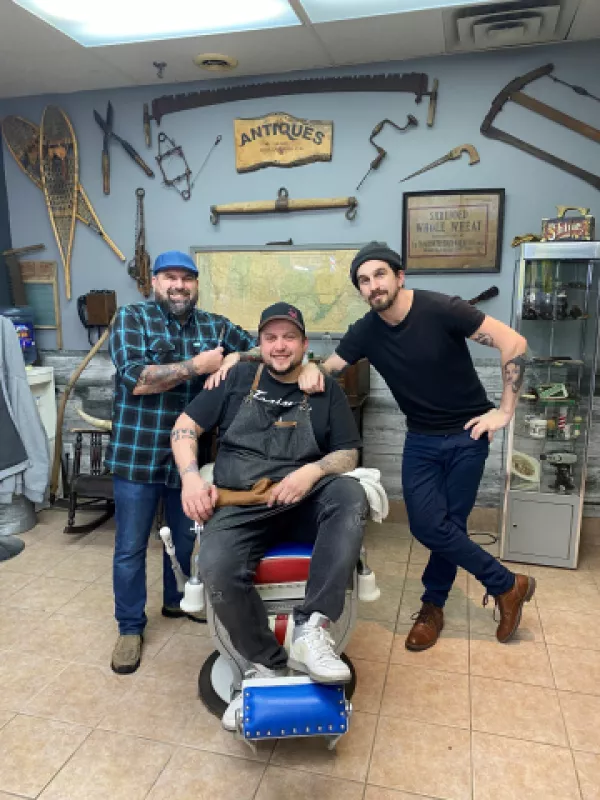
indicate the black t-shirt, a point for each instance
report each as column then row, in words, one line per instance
column 331, row 417
column 424, row 360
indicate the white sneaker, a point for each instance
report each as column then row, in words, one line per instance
column 312, row 652
column 228, row 719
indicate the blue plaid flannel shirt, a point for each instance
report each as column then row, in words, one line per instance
column 144, row 334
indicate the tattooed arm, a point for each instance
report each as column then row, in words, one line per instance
column 197, row 496
column 298, row 483
column 157, row 378
column 338, row 462
column 512, row 347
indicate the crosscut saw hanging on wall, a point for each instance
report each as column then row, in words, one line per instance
column 512, row 93
column 412, row 82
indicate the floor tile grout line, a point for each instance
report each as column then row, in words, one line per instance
column 266, row 766
column 167, row 762
column 58, row 771
column 566, row 727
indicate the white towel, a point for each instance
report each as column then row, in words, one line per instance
column 370, row 480
column 368, row 477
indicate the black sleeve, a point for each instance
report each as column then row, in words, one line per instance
column 351, row 346
column 208, row 407
column 462, row 317
column 343, row 433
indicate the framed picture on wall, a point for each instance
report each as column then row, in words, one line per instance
column 452, row 231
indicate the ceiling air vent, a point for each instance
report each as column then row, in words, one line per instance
column 508, row 24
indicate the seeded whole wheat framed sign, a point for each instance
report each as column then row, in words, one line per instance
column 452, row 231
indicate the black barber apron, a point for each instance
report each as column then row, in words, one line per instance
column 264, row 440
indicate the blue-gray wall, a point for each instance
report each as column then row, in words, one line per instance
column 467, row 86
column 4, row 235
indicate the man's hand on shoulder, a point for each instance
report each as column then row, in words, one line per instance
column 198, row 497
column 295, row 486
column 209, row 361
column 311, row 380
column 221, row 373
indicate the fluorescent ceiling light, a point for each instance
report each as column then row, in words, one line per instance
column 94, row 23
column 331, row 10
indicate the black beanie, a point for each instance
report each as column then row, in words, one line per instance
column 374, row 251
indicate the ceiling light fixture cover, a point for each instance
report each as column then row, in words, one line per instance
column 334, row 10
column 97, row 23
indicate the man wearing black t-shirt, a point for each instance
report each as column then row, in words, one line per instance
column 278, row 473
column 416, row 340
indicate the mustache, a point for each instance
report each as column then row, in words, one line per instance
column 377, row 294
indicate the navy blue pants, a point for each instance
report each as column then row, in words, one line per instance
column 135, row 507
column 440, row 477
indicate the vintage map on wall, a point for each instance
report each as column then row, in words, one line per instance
column 241, row 283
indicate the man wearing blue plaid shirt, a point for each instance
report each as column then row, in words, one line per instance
column 163, row 351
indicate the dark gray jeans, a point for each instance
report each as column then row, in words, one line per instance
column 332, row 516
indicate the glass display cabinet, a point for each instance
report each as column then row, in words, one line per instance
column 556, row 308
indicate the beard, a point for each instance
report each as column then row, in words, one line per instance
column 294, row 364
column 381, row 302
column 179, row 303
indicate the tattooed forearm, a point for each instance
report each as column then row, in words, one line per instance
column 483, row 338
column 160, row 378
column 183, row 433
column 184, row 444
column 513, row 373
column 338, row 462
column 192, row 467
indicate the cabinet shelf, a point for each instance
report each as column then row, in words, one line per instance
column 546, row 447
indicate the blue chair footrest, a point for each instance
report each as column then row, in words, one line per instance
column 279, row 708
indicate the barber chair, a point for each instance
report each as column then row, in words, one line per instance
column 294, row 706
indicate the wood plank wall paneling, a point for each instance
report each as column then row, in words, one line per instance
column 384, row 426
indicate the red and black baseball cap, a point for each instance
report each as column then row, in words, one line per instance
column 282, row 311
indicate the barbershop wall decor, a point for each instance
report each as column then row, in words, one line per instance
column 453, row 231
column 281, row 140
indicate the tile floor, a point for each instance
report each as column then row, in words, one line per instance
column 469, row 719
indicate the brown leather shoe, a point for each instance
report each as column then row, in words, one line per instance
column 428, row 625
column 510, row 605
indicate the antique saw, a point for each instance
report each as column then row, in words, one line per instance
column 283, row 204
column 22, row 138
column 452, row 155
column 412, row 82
column 512, row 92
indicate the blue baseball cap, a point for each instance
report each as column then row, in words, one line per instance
column 174, row 259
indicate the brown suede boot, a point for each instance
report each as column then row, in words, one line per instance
column 510, row 605
column 429, row 622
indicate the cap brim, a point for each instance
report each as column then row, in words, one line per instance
column 295, row 322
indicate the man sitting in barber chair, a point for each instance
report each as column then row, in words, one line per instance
column 277, row 477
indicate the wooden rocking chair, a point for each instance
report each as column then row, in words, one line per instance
column 95, row 486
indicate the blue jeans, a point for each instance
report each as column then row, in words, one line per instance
column 135, row 508
column 440, row 478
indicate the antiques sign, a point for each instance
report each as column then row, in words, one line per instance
column 453, row 231
column 280, row 140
